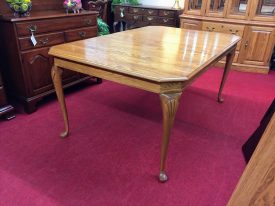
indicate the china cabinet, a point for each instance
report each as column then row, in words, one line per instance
column 253, row 20
column 25, row 62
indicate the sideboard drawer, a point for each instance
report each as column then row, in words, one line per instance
column 166, row 21
column 166, row 13
column 51, row 25
column 82, row 33
column 42, row 40
column 151, row 12
column 151, row 19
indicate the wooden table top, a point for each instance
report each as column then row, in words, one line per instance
column 155, row 53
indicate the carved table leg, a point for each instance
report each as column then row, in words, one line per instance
column 229, row 60
column 169, row 104
column 57, row 81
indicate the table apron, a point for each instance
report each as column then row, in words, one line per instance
column 147, row 85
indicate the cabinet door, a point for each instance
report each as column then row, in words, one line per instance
column 216, row 8
column 195, row 7
column 263, row 10
column 238, row 9
column 257, row 45
column 37, row 66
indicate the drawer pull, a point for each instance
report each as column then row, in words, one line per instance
column 165, row 20
column 135, row 17
column 88, row 22
column 32, row 28
column 246, row 44
column 149, row 18
column 233, row 32
column 166, row 13
column 82, row 34
column 135, row 10
column 44, row 41
column 210, row 29
column 150, row 11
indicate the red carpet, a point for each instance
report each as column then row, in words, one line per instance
column 112, row 155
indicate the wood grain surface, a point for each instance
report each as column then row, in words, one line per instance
column 155, row 53
column 257, row 184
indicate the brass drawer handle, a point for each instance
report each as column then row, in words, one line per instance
column 135, row 17
column 44, row 42
column 88, row 22
column 165, row 20
column 135, row 10
column 32, row 28
column 210, row 29
column 150, row 18
column 150, row 11
column 246, row 44
column 166, row 13
column 233, row 32
column 82, row 34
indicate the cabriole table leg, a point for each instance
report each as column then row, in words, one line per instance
column 229, row 60
column 57, row 81
column 169, row 104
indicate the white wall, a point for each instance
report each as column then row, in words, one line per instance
column 160, row 2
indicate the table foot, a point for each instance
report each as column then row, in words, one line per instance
column 163, row 177
column 64, row 134
column 220, row 100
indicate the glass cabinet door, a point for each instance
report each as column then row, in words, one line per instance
column 216, row 8
column 264, row 10
column 238, row 8
column 196, row 7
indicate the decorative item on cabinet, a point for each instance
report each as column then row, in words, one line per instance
column 142, row 15
column 27, row 65
column 20, row 8
column 253, row 20
column 72, row 5
column 6, row 110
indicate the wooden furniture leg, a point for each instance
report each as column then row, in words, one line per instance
column 169, row 104
column 229, row 60
column 57, row 81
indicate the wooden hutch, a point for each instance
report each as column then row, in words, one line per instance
column 26, row 68
column 253, row 20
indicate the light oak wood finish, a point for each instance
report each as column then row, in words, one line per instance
column 257, row 184
column 256, row 29
column 164, row 63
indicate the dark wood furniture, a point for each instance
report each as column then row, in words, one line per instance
column 6, row 110
column 97, row 5
column 26, row 68
column 164, row 63
column 142, row 15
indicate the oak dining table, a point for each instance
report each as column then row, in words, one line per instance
column 158, row 59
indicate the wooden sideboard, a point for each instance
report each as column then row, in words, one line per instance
column 253, row 20
column 6, row 110
column 142, row 15
column 27, row 68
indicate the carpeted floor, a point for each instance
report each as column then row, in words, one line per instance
column 112, row 155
